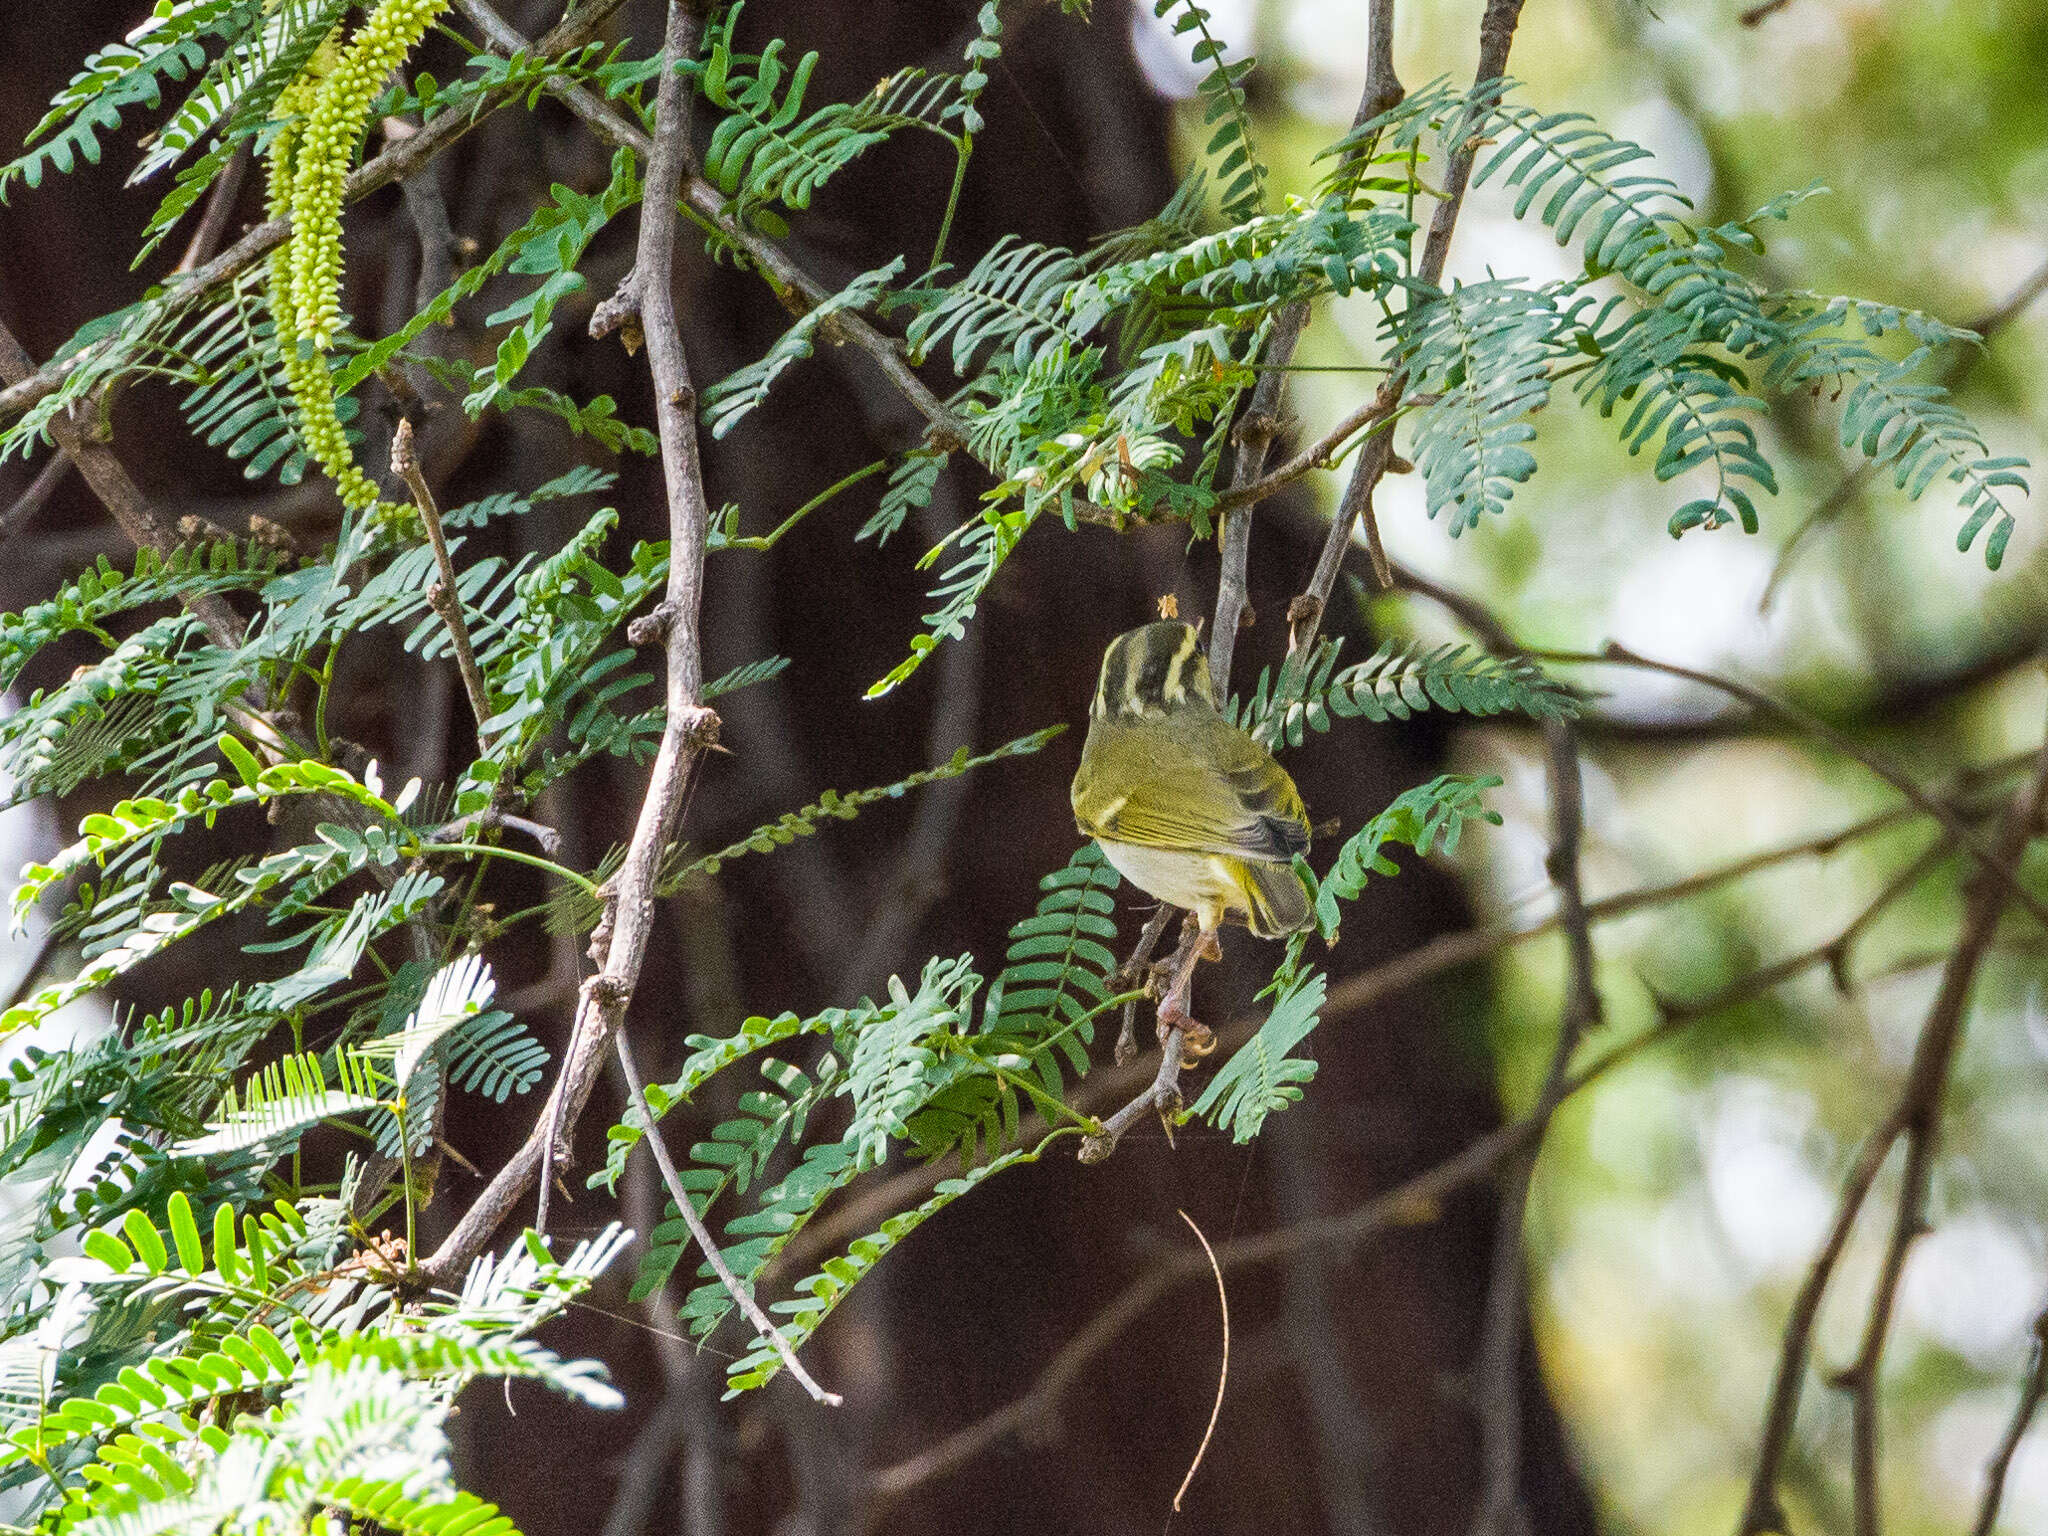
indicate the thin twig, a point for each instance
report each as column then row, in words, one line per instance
column 1257, row 426
column 741, row 1296
column 1222, row 1372
column 491, row 816
column 1415, row 1201
column 1916, row 1116
column 2032, row 1390
column 220, row 211
column 1498, row 1394
column 1317, row 455
column 30, row 501
column 445, row 596
column 620, row 942
column 1496, row 37
column 1498, row 1377
column 1132, row 972
column 1260, row 423
column 1812, row 725
column 1162, row 1094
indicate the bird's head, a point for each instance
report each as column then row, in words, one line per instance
column 1152, row 670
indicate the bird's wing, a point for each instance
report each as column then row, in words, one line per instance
column 1222, row 793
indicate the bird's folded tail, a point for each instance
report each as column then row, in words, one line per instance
column 1278, row 900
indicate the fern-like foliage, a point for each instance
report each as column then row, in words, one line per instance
column 1267, row 1073
column 1263, row 1076
column 1058, row 971
column 169, row 46
column 765, row 149
column 1012, row 302
column 819, row 1293
column 1482, row 354
column 912, row 482
column 985, row 543
column 739, row 393
column 1239, row 172
column 1393, row 684
column 576, row 911
column 1429, row 816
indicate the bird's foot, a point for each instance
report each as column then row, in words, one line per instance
column 1196, row 1038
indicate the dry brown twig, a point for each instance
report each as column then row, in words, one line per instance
column 2032, row 1390
column 619, row 945
column 1223, row 1370
column 445, row 595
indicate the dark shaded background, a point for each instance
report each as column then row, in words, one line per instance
column 1345, row 1410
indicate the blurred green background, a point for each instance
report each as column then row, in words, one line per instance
column 1679, row 1200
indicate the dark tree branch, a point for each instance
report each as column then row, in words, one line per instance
column 1253, row 435
column 620, row 943
column 1260, row 423
column 122, row 497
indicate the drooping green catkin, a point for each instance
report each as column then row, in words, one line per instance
column 308, row 161
column 326, row 144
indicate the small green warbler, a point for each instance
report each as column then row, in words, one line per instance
column 1188, row 807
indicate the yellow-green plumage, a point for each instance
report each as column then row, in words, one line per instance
column 1186, row 806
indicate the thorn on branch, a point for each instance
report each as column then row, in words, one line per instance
column 1163, row 1094
column 1255, row 429
column 1304, row 616
column 621, row 313
column 652, row 626
column 700, row 725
